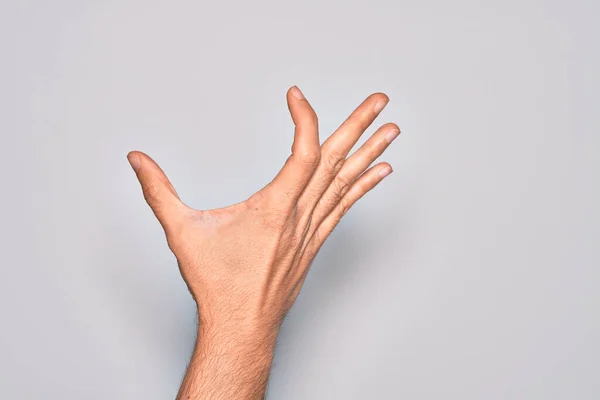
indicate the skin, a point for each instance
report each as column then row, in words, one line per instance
column 245, row 264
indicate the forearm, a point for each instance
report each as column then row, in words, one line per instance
column 228, row 364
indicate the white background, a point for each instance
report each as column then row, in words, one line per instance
column 472, row 272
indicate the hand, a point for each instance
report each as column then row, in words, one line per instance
column 245, row 264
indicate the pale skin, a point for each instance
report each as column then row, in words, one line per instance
column 245, row 264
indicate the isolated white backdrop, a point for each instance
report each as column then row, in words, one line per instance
column 471, row 273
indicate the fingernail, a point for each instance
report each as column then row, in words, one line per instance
column 379, row 105
column 385, row 171
column 391, row 135
column 297, row 93
column 134, row 160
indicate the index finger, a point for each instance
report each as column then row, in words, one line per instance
column 348, row 133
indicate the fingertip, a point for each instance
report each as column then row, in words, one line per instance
column 134, row 160
column 389, row 126
column 385, row 169
column 296, row 92
column 381, row 96
column 381, row 102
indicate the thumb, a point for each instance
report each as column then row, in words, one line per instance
column 158, row 191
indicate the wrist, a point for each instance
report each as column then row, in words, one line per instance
column 240, row 337
column 222, row 326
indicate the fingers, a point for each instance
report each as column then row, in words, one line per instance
column 306, row 149
column 346, row 136
column 158, row 191
column 353, row 167
column 359, row 188
column 335, row 149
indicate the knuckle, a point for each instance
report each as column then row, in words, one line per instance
column 309, row 157
column 344, row 207
column 334, row 161
column 341, row 186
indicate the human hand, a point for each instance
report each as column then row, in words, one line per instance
column 245, row 264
